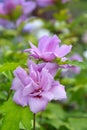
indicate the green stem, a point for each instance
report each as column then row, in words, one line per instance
column 34, row 122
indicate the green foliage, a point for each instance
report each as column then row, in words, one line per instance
column 83, row 65
column 13, row 115
column 78, row 123
column 8, row 66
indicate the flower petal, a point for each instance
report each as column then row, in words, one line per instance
column 28, row 7
column 48, row 95
column 34, row 51
column 63, row 50
column 37, row 104
column 43, row 42
column 54, row 42
column 19, row 98
column 52, row 68
column 2, row 11
column 48, row 56
column 22, row 75
column 16, row 84
column 28, row 89
column 59, row 92
column 46, row 80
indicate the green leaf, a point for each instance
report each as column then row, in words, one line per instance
column 8, row 66
column 26, row 116
column 13, row 115
column 17, row 12
column 78, row 123
column 83, row 65
column 55, row 115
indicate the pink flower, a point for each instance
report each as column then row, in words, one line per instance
column 36, row 89
column 50, row 67
column 6, row 24
column 48, row 49
column 44, row 3
column 75, row 69
column 10, row 5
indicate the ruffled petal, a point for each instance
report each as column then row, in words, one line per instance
column 16, row 84
column 22, row 75
column 48, row 95
column 19, row 98
column 52, row 68
column 28, row 90
column 46, row 80
column 37, row 104
column 59, row 92
column 33, row 73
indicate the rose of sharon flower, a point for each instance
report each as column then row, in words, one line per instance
column 8, row 6
column 48, row 49
column 51, row 67
column 76, row 69
column 44, row 3
column 36, row 89
column 69, row 70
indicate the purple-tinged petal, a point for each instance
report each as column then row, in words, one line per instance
column 31, row 63
column 53, row 43
column 16, row 84
column 2, row 11
column 33, row 74
column 59, row 92
column 22, row 75
column 63, row 50
column 76, row 57
column 43, row 42
column 34, row 51
column 52, row 68
column 44, row 3
column 28, row 7
column 28, row 89
column 48, row 56
column 48, row 95
column 46, row 80
column 48, row 44
column 19, row 98
column 37, row 104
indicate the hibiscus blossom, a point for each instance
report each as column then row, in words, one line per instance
column 48, row 49
column 36, row 89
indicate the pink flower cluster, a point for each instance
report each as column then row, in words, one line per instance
column 8, row 6
column 37, row 87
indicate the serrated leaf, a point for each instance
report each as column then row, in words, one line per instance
column 13, row 115
column 8, row 66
